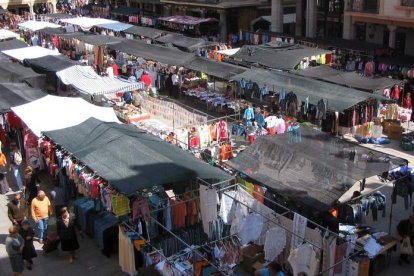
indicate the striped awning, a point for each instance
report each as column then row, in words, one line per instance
column 87, row 81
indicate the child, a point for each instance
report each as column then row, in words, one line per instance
column 29, row 250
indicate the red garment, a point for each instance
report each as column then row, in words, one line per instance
column 396, row 93
column 14, row 121
column 95, row 188
column 222, row 130
column 3, row 137
column 115, row 69
column 407, row 102
column 178, row 213
column 258, row 193
column 194, row 142
column 146, row 79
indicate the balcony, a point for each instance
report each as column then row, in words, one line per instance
column 407, row 3
column 365, row 6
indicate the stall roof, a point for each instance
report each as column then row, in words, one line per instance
column 348, row 44
column 49, row 64
column 87, row 81
column 184, row 42
column 213, row 68
column 115, row 26
column 98, row 40
column 158, row 53
column 12, row 44
column 29, row 52
column 6, row 34
column 311, row 166
column 186, row 20
column 15, row 94
column 51, row 31
column 348, row 79
column 131, row 159
column 403, row 60
column 14, row 72
column 37, row 25
column 283, row 58
column 338, row 98
column 124, row 10
column 144, row 31
column 53, row 112
column 58, row 15
column 87, row 23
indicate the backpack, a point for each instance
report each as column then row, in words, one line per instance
column 17, row 158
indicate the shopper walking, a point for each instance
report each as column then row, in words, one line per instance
column 58, row 199
column 31, row 180
column 17, row 210
column 14, row 247
column 15, row 164
column 405, row 229
column 67, row 233
column 29, row 251
column 41, row 209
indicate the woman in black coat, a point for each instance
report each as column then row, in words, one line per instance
column 29, row 251
column 67, row 233
column 31, row 180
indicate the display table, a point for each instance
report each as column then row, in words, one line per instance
column 130, row 114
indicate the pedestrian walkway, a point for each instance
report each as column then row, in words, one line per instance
column 90, row 260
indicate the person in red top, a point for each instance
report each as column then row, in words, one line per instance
column 395, row 95
column 115, row 69
column 146, row 79
column 407, row 101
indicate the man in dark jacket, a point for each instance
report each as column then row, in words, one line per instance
column 405, row 228
column 17, row 210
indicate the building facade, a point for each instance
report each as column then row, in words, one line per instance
column 17, row 6
column 233, row 15
column 387, row 22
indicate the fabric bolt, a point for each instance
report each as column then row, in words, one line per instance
column 250, row 228
column 298, row 229
column 208, row 206
column 275, row 242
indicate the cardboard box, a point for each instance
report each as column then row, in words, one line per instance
column 251, row 254
column 390, row 123
column 394, row 132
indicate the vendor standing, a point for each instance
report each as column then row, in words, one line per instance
column 405, row 229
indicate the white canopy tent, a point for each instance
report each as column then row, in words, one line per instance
column 87, row 81
column 229, row 52
column 87, row 23
column 37, row 25
column 30, row 52
column 53, row 112
column 6, row 34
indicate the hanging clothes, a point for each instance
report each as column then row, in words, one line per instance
column 304, row 259
column 208, row 206
column 275, row 242
column 298, row 230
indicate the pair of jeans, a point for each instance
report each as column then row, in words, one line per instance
column 42, row 225
column 17, row 176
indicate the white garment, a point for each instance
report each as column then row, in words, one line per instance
column 204, row 133
column 174, row 79
column 227, row 207
column 110, row 71
column 250, row 228
column 271, row 121
column 208, row 206
column 275, row 243
column 298, row 230
column 303, row 259
column 126, row 253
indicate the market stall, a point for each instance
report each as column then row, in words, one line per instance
column 13, row 72
column 15, row 94
column 143, row 32
column 86, row 80
column 12, row 44
column 37, row 25
column 185, row 43
column 189, row 24
column 6, row 34
column 66, row 112
column 87, row 23
column 349, row 79
column 29, row 52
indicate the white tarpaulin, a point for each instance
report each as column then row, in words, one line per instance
column 6, row 34
column 229, row 52
column 30, row 52
column 53, row 112
column 87, row 23
column 37, row 25
column 86, row 80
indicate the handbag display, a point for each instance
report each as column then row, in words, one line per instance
column 406, row 246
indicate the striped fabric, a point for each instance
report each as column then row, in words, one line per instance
column 84, row 79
